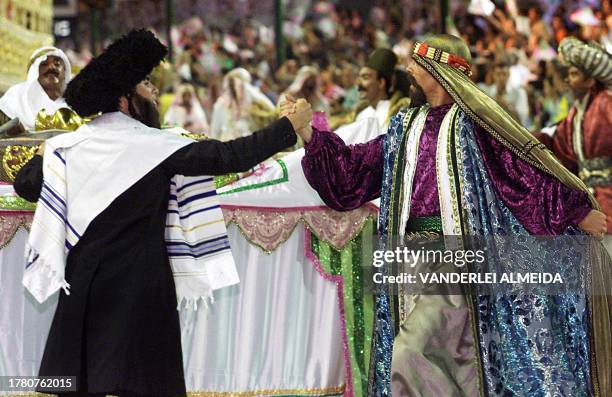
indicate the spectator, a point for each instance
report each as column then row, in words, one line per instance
column 186, row 111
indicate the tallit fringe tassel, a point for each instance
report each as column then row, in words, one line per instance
column 191, row 302
column 41, row 278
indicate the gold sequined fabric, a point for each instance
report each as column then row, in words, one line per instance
column 15, row 152
column 13, row 158
column 63, row 119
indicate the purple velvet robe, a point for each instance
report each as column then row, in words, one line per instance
column 347, row 176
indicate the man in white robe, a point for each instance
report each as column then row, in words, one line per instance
column 48, row 75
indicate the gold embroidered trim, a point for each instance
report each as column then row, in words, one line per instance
column 406, row 122
column 444, row 140
column 411, row 157
column 459, row 155
column 329, row 391
column 453, row 188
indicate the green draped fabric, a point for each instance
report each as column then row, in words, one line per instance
column 358, row 304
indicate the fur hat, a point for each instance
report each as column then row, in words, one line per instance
column 114, row 73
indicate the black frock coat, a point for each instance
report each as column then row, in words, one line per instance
column 118, row 331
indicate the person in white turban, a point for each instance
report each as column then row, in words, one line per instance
column 241, row 108
column 186, row 111
column 48, row 75
column 307, row 85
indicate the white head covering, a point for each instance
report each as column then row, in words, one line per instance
column 177, row 114
column 231, row 115
column 303, row 74
column 25, row 100
column 318, row 101
column 40, row 55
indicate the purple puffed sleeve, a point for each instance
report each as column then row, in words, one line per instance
column 542, row 204
column 345, row 176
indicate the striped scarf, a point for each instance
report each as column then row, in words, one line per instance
column 196, row 240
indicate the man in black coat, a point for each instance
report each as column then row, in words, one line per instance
column 118, row 331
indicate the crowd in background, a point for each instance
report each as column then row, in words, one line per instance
column 224, row 82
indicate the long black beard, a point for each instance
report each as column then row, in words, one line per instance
column 144, row 111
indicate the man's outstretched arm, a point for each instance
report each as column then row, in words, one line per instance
column 345, row 176
column 213, row 157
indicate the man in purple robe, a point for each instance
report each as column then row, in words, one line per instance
column 436, row 170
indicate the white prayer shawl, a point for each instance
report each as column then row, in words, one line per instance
column 25, row 100
column 100, row 164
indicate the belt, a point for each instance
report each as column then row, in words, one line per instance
column 424, row 224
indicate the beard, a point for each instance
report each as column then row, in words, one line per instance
column 145, row 111
column 417, row 95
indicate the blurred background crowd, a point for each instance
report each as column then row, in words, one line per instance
column 228, row 70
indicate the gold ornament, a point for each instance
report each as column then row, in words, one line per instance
column 15, row 157
column 63, row 119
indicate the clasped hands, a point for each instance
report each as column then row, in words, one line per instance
column 299, row 114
